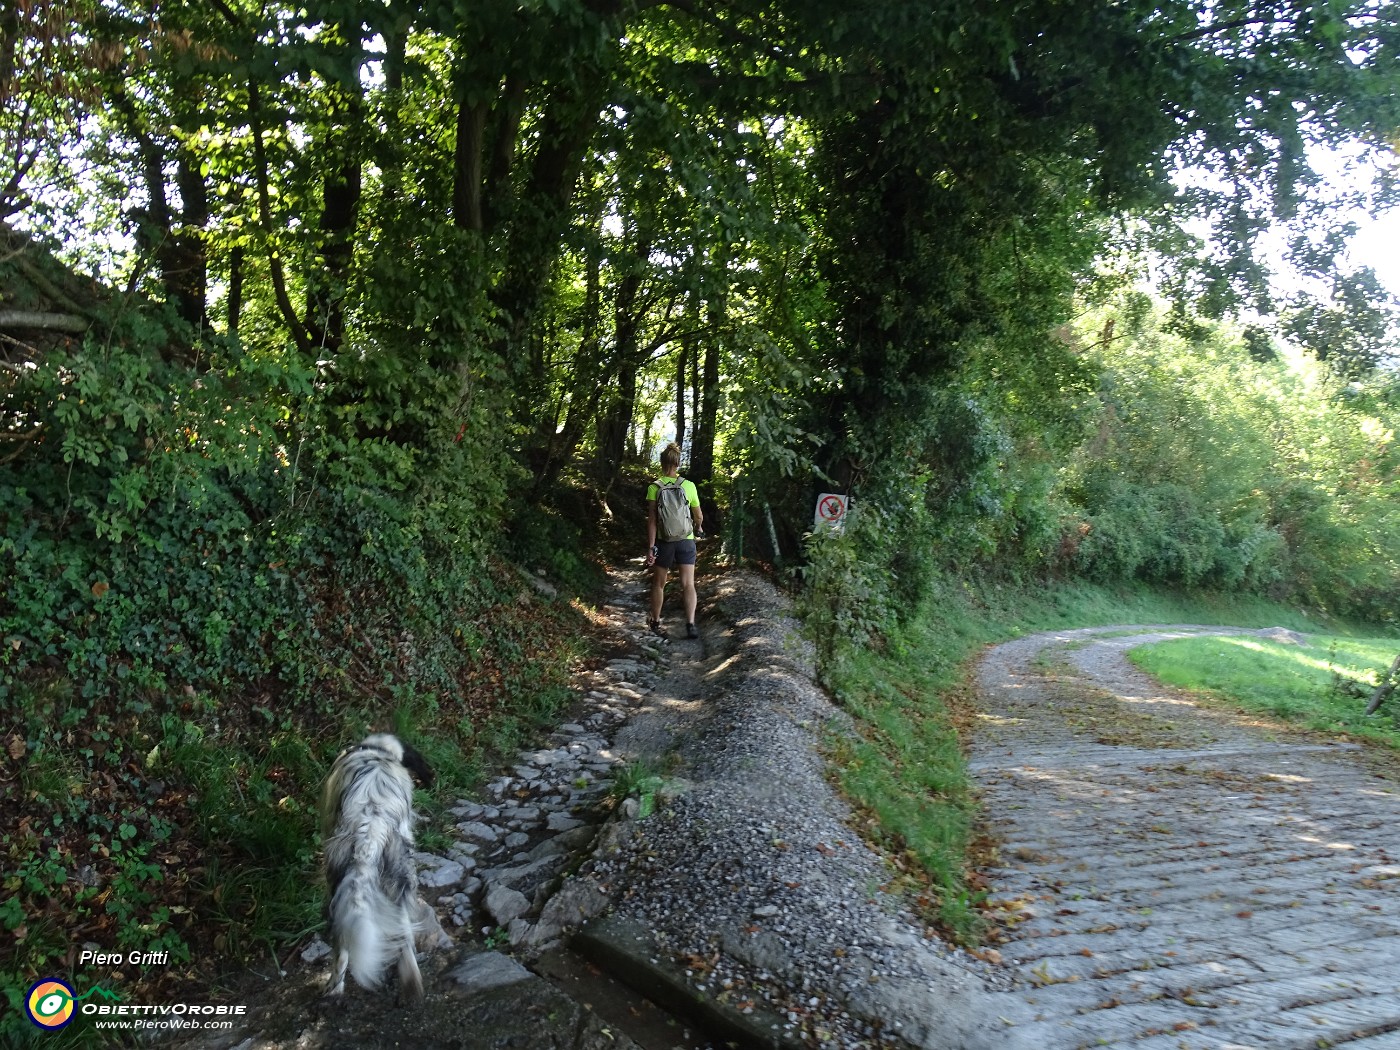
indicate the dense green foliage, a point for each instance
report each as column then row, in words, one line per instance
column 1209, row 467
column 379, row 288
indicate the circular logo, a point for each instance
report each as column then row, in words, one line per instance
column 50, row 1003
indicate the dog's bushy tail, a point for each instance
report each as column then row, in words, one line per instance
column 369, row 928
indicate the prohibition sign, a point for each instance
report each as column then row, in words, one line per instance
column 831, row 510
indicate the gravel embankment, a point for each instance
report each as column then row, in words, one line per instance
column 751, row 879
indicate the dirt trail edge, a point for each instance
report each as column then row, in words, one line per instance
column 748, row 899
column 1184, row 877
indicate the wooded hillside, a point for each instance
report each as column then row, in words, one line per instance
column 312, row 318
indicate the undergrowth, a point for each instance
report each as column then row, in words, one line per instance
column 189, row 823
column 214, row 581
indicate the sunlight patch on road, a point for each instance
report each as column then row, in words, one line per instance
column 1128, row 698
column 1317, row 841
column 999, row 720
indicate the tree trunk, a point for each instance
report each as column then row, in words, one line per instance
column 326, row 293
column 588, row 381
column 340, row 204
column 702, row 448
column 1385, row 688
column 466, row 165
column 613, row 428
column 617, row 417
column 235, row 288
column 682, row 356
column 185, row 266
column 395, row 58
column 504, row 138
column 264, row 195
column 535, row 233
column 694, row 383
column 165, row 235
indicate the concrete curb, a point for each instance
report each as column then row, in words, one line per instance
column 630, row 953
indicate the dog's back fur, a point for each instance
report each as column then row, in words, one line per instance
column 367, row 827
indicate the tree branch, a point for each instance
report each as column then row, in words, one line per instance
column 50, row 322
column 734, row 36
column 1219, row 27
column 23, row 439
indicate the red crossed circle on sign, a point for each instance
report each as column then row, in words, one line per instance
column 831, row 508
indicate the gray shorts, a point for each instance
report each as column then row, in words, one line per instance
column 674, row 552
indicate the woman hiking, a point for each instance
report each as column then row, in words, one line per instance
column 673, row 519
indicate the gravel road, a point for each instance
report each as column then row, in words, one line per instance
column 1179, row 876
column 749, row 896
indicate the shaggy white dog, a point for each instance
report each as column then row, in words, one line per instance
column 376, row 915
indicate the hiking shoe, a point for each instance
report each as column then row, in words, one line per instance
column 691, row 631
column 658, row 628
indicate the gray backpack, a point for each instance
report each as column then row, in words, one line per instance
column 673, row 520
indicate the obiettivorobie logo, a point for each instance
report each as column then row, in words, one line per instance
column 51, row 1003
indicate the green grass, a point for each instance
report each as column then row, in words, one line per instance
column 905, row 771
column 1323, row 684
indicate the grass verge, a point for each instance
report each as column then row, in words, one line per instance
column 1323, row 683
column 905, row 772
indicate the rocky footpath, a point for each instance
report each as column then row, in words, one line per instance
column 508, row 889
column 679, row 835
column 503, row 879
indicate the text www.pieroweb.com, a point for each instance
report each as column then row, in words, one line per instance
column 156, row 1018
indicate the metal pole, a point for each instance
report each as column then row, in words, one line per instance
column 772, row 534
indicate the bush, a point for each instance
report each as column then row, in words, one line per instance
column 1163, row 534
column 174, row 529
column 218, row 579
column 848, row 588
